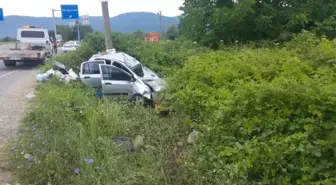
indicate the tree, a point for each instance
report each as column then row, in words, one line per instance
column 84, row 31
column 65, row 31
column 70, row 33
column 208, row 22
column 139, row 34
column 7, row 39
column 172, row 32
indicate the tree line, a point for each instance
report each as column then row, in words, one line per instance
column 210, row 22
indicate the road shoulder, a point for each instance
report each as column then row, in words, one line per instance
column 14, row 103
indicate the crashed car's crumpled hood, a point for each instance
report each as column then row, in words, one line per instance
column 153, row 80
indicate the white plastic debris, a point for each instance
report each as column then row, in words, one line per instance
column 41, row 78
column 73, row 75
column 44, row 77
column 30, row 95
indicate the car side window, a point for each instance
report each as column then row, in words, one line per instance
column 91, row 67
column 106, row 72
column 106, row 61
column 120, row 75
column 116, row 74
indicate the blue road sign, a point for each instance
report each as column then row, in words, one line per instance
column 69, row 11
column 1, row 15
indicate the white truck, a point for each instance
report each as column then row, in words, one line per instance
column 33, row 45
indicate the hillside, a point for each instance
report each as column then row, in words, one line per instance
column 126, row 23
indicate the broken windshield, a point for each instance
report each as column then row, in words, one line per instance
column 138, row 70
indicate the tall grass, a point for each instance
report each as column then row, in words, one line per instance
column 66, row 139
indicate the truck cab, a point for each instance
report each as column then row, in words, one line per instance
column 31, row 35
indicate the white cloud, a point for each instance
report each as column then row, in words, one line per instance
column 42, row 8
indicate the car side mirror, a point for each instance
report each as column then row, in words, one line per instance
column 133, row 79
column 47, row 42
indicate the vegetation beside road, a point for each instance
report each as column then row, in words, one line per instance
column 67, row 139
column 265, row 115
column 263, row 100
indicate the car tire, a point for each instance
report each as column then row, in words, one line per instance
column 138, row 100
column 41, row 62
column 9, row 63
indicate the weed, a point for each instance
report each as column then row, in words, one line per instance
column 66, row 139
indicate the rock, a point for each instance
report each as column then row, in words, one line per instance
column 138, row 142
column 180, row 144
column 193, row 136
column 124, row 143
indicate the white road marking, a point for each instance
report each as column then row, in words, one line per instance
column 8, row 73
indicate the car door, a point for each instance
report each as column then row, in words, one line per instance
column 115, row 81
column 90, row 74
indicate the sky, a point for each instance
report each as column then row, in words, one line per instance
column 42, row 8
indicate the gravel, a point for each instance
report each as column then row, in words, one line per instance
column 13, row 104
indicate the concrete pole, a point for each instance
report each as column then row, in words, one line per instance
column 54, row 20
column 107, row 26
column 160, row 14
column 78, row 31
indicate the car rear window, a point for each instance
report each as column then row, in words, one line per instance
column 32, row 34
column 91, row 67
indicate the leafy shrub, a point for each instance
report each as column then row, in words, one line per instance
column 267, row 115
column 166, row 56
column 314, row 50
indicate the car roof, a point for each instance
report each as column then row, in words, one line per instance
column 71, row 41
column 119, row 56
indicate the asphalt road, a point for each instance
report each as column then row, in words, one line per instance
column 14, row 76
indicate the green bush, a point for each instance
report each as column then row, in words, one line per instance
column 317, row 52
column 69, row 126
column 267, row 115
column 166, row 56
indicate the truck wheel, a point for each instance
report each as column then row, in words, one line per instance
column 9, row 63
column 42, row 62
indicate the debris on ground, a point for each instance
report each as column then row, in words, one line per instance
column 124, row 143
column 60, row 67
column 138, row 143
column 77, row 108
column 99, row 93
column 31, row 95
column 60, row 71
column 44, row 77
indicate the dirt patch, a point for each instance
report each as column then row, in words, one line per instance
column 13, row 104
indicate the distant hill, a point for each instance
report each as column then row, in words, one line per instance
column 126, row 23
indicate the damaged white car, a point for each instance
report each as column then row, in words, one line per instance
column 119, row 74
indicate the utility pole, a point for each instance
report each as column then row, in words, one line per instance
column 160, row 17
column 107, row 26
column 54, row 20
column 78, row 31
